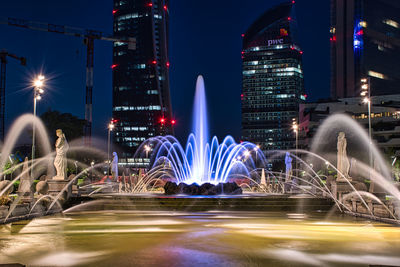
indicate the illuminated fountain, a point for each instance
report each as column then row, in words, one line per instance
column 201, row 161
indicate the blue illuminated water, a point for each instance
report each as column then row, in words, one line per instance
column 203, row 161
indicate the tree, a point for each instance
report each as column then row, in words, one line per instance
column 71, row 125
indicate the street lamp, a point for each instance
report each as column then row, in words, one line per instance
column 366, row 94
column 147, row 149
column 37, row 95
column 110, row 128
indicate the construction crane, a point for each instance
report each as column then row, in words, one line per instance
column 88, row 38
column 3, row 58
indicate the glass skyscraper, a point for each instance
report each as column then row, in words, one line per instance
column 365, row 41
column 272, row 80
column 141, row 95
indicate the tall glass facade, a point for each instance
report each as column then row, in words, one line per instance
column 365, row 41
column 141, row 96
column 272, row 80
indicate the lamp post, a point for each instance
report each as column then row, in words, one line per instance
column 147, row 149
column 37, row 95
column 366, row 94
column 295, row 128
column 110, row 128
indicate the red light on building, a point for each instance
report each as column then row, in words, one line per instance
column 289, row 18
column 150, row 4
column 154, row 62
column 165, row 7
column 293, row 2
column 162, row 120
column 167, row 64
column 360, row 32
column 115, row 11
column 173, row 122
column 283, row 32
column 301, row 52
column 114, row 66
column 242, row 34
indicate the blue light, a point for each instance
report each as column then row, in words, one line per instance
column 358, row 35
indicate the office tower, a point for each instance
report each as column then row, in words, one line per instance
column 141, row 96
column 365, row 41
column 272, row 80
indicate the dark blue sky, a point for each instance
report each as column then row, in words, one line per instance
column 205, row 38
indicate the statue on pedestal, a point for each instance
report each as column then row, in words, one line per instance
column 289, row 170
column 343, row 164
column 25, row 188
column 114, row 167
column 60, row 161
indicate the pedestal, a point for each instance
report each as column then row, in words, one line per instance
column 56, row 186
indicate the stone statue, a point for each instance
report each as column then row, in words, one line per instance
column 343, row 164
column 114, row 166
column 25, row 189
column 289, row 170
column 60, row 162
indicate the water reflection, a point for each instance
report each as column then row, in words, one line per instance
column 192, row 239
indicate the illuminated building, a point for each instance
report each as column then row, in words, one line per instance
column 385, row 120
column 141, row 96
column 272, row 86
column 365, row 41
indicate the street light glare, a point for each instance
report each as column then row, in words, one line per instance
column 366, row 100
column 111, row 126
column 38, row 83
column 41, row 77
column 38, row 97
column 247, row 153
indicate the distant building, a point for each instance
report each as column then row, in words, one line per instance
column 365, row 41
column 141, row 95
column 385, row 119
column 272, row 86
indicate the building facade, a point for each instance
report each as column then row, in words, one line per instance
column 365, row 41
column 272, row 84
column 385, row 119
column 141, row 95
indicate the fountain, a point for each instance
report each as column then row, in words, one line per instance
column 282, row 218
column 202, row 162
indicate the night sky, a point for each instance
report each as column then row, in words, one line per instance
column 205, row 38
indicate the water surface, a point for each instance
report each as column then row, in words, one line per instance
column 138, row 238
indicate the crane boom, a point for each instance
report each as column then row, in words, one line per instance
column 88, row 36
column 3, row 62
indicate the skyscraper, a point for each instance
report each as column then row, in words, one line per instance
column 365, row 41
column 141, row 96
column 272, row 79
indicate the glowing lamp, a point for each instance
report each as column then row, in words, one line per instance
column 38, row 83
column 162, row 120
column 173, row 122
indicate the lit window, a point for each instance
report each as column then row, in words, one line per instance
column 362, row 24
column 376, row 74
column 391, row 23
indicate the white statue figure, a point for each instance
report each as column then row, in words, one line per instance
column 114, row 166
column 60, row 162
column 343, row 164
column 289, row 170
